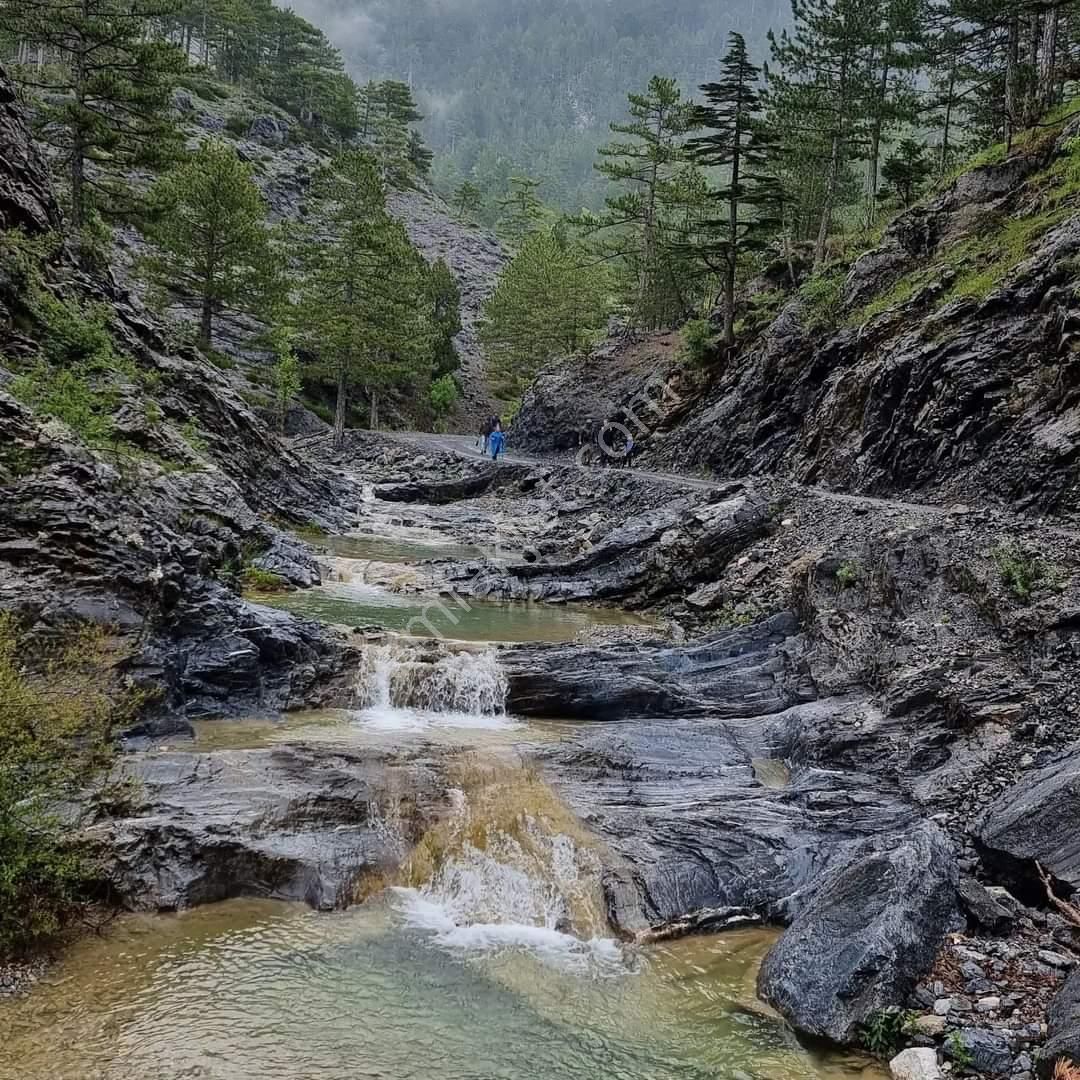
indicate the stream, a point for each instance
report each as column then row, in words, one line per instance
column 487, row 956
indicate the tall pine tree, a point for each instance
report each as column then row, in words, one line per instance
column 104, row 101
column 735, row 143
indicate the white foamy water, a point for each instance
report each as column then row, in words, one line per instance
column 518, row 895
column 401, row 688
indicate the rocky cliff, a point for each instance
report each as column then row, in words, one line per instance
column 942, row 362
column 284, row 160
column 160, row 484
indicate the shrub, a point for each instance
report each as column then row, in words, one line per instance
column 821, row 298
column 444, row 396
column 884, row 1031
column 238, row 124
column 69, row 395
column 55, row 721
column 258, row 580
column 698, row 342
column 959, row 1050
column 1020, row 572
column 850, row 573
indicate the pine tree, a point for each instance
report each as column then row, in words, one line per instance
column 522, row 210
column 210, row 236
column 736, row 144
column 550, row 301
column 420, row 157
column 821, row 88
column 104, row 105
column 444, row 298
column 468, row 199
column 644, row 165
column 363, row 309
column 907, row 170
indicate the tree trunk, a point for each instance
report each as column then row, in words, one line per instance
column 875, row 143
column 373, row 418
column 943, row 161
column 342, row 405
column 1012, row 89
column 1048, row 59
column 78, row 140
column 834, row 167
column 206, row 321
column 733, row 237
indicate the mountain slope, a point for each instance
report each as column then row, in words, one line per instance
column 943, row 362
column 534, row 83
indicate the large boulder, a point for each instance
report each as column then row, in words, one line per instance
column 1035, row 821
column 869, row 930
column 1063, row 1020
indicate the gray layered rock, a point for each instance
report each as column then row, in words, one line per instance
column 866, row 932
column 1063, row 1035
column 290, row 823
column 744, row 672
column 642, row 559
column 1036, row 821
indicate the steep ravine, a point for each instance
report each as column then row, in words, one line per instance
column 856, row 717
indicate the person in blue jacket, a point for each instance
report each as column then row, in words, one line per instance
column 496, row 440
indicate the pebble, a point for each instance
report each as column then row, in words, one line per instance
column 988, row 1004
column 930, row 1024
column 942, row 1005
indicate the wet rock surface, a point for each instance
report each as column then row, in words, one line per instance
column 291, row 823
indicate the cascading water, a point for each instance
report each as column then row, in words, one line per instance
column 507, row 874
column 403, row 685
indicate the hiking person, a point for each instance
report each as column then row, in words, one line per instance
column 485, row 433
column 628, row 451
column 496, row 440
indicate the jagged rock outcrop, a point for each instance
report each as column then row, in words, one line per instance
column 1035, row 821
column 641, row 559
column 137, row 535
column 961, row 381
column 746, row 672
column 1063, row 1020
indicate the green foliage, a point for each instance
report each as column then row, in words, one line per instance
column 1020, row 572
column 884, row 1031
column 907, row 170
column 238, row 124
column 257, row 580
column 194, row 437
column 210, row 236
column 550, row 302
column 365, row 311
column 850, row 573
column 444, row 298
column 444, row 397
column 821, row 296
column 522, row 210
column 103, row 105
column 57, row 706
column 286, row 378
column 70, row 396
column 959, row 1050
column 468, row 200
column 699, row 341
column 644, row 224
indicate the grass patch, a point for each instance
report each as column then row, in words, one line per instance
column 884, row 1031
column 821, row 298
column 58, row 707
column 255, row 579
column 71, row 396
column 1020, row 572
column 849, row 574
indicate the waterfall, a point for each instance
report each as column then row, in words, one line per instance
column 512, row 869
column 406, row 683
